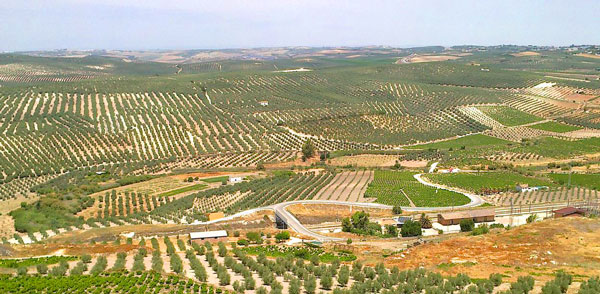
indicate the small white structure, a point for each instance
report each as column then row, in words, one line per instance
column 450, row 170
column 209, row 235
column 235, row 179
column 263, row 103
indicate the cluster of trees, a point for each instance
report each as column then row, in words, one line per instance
column 359, row 223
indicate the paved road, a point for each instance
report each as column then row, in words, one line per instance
column 294, row 224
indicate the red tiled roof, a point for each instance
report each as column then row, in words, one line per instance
column 568, row 210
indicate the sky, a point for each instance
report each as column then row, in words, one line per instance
column 27, row 25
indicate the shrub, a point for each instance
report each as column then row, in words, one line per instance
column 467, row 225
column 411, row 228
column 397, row 209
column 483, row 229
column 285, row 235
column 532, row 218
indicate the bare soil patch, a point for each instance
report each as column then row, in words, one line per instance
column 572, row 244
column 588, row 55
column 365, row 160
column 320, row 213
column 429, row 58
column 525, row 53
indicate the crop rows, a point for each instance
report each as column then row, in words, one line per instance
column 115, row 204
column 257, row 193
column 513, row 156
column 393, row 129
column 396, row 188
column 210, row 269
column 479, row 116
column 218, row 202
column 21, row 186
column 534, row 105
column 347, row 186
column 585, row 119
column 561, row 194
column 517, row 134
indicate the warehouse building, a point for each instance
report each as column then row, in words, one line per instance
column 212, row 236
column 478, row 216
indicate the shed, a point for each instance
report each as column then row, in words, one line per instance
column 263, row 103
column 235, row 179
column 212, row 236
column 478, row 216
column 568, row 211
column 401, row 220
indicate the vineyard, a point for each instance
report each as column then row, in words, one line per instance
column 487, row 182
column 347, row 186
column 401, row 188
column 561, row 194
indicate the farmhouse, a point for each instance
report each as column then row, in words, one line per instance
column 401, row 220
column 213, row 236
column 568, row 211
column 234, row 179
column 478, row 216
column 263, row 103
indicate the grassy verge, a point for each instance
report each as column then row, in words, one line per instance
column 183, row 190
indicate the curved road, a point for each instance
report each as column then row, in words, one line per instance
column 294, row 224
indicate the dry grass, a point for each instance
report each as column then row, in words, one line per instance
column 588, row 55
column 525, row 53
column 572, row 244
column 7, row 228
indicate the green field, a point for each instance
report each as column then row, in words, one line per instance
column 509, row 116
column 468, row 142
column 591, row 181
column 389, row 188
column 555, row 127
column 215, row 179
column 116, row 282
column 558, row 148
column 182, row 190
column 486, row 182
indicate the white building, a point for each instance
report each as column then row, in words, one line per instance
column 209, row 235
column 235, row 179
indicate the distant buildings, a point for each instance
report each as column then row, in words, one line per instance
column 263, row 103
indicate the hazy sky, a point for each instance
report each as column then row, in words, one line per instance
column 198, row 24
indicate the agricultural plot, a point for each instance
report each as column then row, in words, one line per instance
column 347, row 186
column 555, row 127
column 561, row 194
column 486, row 182
column 518, row 133
column 401, row 188
column 21, row 187
column 508, row 116
column 590, row 181
column 467, row 142
column 245, row 195
column 207, row 269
